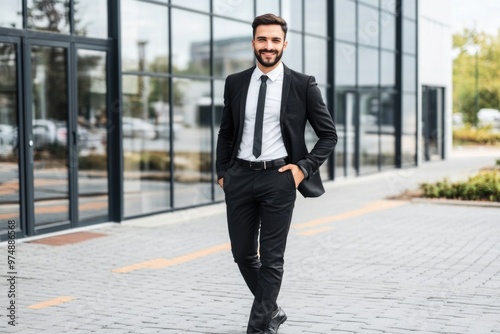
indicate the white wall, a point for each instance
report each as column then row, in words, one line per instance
column 435, row 60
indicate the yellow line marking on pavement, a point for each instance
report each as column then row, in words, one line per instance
column 51, row 302
column 308, row 233
column 368, row 208
column 163, row 263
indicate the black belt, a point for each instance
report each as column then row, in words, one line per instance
column 262, row 165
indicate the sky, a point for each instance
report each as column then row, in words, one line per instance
column 484, row 14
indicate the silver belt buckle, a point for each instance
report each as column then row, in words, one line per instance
column 264, row 164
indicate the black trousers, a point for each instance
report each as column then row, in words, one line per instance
column 259, row 199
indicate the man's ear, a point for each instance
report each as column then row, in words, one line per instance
column 253, row 43
column 285, row 44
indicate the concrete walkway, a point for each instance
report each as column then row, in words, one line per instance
column 355, row 263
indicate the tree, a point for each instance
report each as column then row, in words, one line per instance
column 476, row 51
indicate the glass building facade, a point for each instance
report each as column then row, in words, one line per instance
column 110, row 109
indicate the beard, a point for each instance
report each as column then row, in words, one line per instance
column 266, row 63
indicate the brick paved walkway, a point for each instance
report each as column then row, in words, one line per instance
column 355, row 263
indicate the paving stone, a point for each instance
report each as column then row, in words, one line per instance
column 414, row 268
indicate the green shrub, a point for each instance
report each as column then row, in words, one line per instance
column 93, row 162
column 469, row 135
column 484, row 186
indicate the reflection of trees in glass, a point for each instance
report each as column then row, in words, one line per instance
column 159, row 87
column 157, row 90
column 7, row 67
column 49, row 79
column 87, row 63
column 53, row 16
column 49, row 15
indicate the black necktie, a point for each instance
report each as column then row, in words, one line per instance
column 259, row 118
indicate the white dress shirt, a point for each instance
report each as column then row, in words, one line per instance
column 272, row 142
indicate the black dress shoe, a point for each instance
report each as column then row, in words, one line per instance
column 276, row 321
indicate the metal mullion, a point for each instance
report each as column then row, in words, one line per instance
column 28, row 135
column 71, row 70
column 398, row 117
column 171, row 108
column 21, row 143
column 114, row 126
column 213, row 176
column 417, row 92
column 357, row 133
column 25, row 14
column 379, row 160
column 331, row 77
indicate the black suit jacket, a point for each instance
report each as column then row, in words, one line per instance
column 301, row 101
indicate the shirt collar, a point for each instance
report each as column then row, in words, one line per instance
column 273, row 75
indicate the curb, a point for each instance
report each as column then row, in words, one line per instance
column 441, row 201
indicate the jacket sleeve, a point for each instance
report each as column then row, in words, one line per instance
column 321, row 121
column 225, row 140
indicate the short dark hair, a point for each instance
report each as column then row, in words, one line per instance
column 269, row 19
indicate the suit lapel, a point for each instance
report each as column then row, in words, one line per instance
column 244, row 93
column 287, row 79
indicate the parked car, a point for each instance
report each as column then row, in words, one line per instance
column 137, row 128
column 163, row 130
column 47, row 132
column 51, row 132
column 8, row 139
column 489, row 116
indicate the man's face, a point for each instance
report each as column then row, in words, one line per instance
column 268, row 44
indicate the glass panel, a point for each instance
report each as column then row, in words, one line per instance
column 316, row 17
column 388, row 130
column 268, row 6
column 344, row 122
column 368, row 67
column 50, row 16
column 409, row 137
column 11, row 14
column 311, row 137
column 368, row 26
column 316, row 63
column 409, row 37
column 189, row 41
column 345, row 65
column 409, row 74
column 242, row 10
column 292, row 56
column 219, row 105
column 369, row 132
column 92, row 132
column 146, row 138
column 370, row 2
column 410, row 8
column 201, row 5
column 50, row 134
column 232, row 47
column 388, row 24
column 388, row 5
column 9, row 136
column 193, row 152
column 388, row 70
column 144, row 36
column 291, row 11
column 91, row 18
column 345, row 20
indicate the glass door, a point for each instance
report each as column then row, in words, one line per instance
column 10, row 176
column 48, row 114
column 91, row 130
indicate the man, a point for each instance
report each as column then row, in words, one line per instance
column 262, row 159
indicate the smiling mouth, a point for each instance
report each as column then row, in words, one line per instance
column 268, row 53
